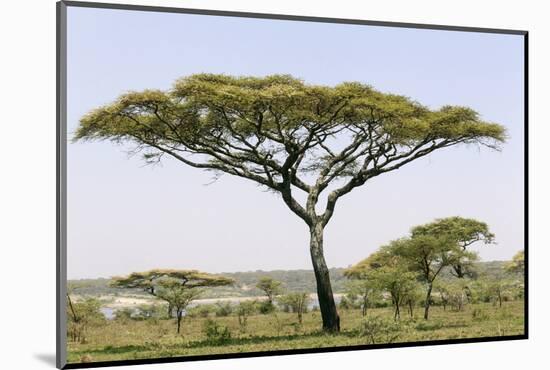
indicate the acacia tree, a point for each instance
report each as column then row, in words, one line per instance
column 366, row 289
column 384, row 270
column 517, row 264
column 298, row 301
column 270, row 287
column 462, row 231
column 427, row 255
column 176, row 287
column 303, row 142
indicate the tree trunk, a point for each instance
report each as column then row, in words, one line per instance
column 459, row 271
column 75, row 318
column 178, row 317
column 411, row 308
column 428, row 298
column 365, row 301
column 331, row 320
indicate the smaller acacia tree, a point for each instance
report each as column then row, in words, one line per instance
column 427, row 256
column 412, row 297
column 387, row 272
column 463, row 232
column 298, row 302
column 517, row 264
column 366, row 289
column 176, row 287
column 270, row 287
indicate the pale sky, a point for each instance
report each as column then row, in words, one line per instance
column 125, row 217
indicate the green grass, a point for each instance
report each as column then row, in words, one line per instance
column 153, row 339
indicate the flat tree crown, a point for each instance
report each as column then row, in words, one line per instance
column 165, row 277
column 208, row 106
column 273, row 130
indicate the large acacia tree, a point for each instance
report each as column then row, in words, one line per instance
column 310, row 144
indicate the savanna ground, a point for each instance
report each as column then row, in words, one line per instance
column 156, row 338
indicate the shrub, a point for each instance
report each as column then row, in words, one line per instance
column 266, row 307
column 223, row 309
column 201, row 310
column 347, row 303
column 216, row 333
column 379, row 330
column 124, row 314
column 245, row 309
column 429, row 326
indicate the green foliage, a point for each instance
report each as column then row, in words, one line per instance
column 297, row 302
column 176, row 287
column 270, row 287
column 456, row 293
column 216, row 334
column 81, row 316
column 201, row 310
column 223, row 309
column 360, row 293
column 149, row 279
column 462, row 232
column 200, row 106
column 380, row 330
column 124, row 314
column 423, row 256
column 266, row 307
column 245, row 309
column 517, row 265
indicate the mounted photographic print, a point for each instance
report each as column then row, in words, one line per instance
column 236, row 184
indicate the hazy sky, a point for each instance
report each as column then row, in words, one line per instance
column 125, row 217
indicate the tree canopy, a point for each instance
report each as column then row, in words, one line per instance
column 517, row 265
column 275, row 129
column 463, row 232
column 270, row 287
column 150, row 280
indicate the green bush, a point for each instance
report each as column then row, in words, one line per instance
column 429, row 325
column 380, row 330
column 215, row 333
column 223, row 309
column 266, row 307
column 201, row 310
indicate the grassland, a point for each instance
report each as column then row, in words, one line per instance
column 153, row 338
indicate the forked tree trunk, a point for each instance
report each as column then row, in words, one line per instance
column 331, row 320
